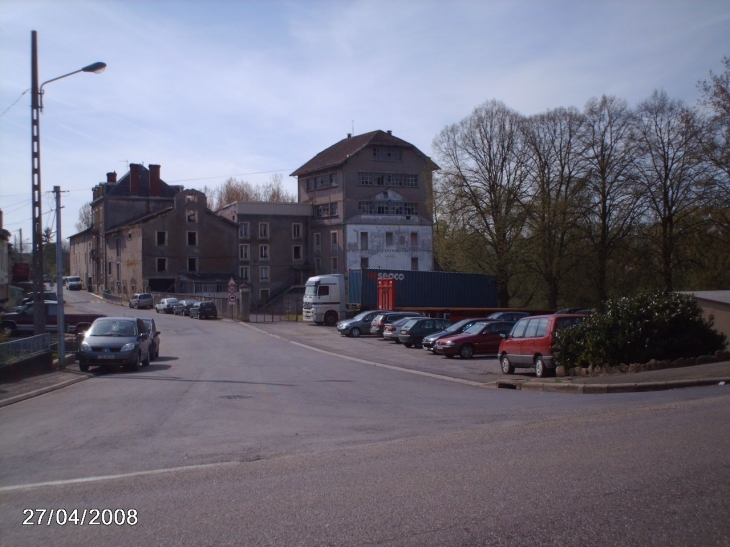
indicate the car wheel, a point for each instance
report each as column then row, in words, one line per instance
column 466, row 351
column 157, row 311
column 407, row 344
column 330, row 319
column 146, row 362
column 135, row 366
column 418, row 343
column 130, row 304
column 541, row 371
column 84, row 367
column 355, row 332
column 507, row 367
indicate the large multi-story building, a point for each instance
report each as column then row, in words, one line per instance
column 371, row 204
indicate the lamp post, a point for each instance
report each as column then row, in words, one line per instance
column 39, row 315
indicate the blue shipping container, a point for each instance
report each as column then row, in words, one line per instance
column 424, row 289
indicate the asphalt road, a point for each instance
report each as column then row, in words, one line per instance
column 236, row 437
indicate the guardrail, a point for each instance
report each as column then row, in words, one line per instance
column 24, row 347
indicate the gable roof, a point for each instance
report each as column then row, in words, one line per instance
column 338, row 153
column 122, row 187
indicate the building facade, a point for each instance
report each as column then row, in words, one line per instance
column 371, row 204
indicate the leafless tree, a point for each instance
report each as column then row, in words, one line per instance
column 86, row 219
column 556, row 167
column 481, row 183
column 234, row 190
column 611, row 210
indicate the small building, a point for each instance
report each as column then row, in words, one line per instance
column 716, row 308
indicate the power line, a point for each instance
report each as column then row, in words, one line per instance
column 16, row 102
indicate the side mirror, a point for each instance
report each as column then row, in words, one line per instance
column 504, row 335
column 157, row 333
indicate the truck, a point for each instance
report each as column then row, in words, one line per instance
column 21, row 321
column 327, row 298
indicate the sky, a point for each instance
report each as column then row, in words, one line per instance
column 216, row 89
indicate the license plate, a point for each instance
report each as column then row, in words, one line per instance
column 106, row 356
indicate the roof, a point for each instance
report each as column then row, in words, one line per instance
column 122, row 187
column 338, row 153
column 722, row 297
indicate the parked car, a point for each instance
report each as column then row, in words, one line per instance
column 47, row 279
column 457, row 328
column 385, row 318
column 183, row 307
column 530, row 343
column 47, row 296
column 201, row 310
column 149, row 323
column 166, row 305
column 507, row 315
column 357, row 325
column 483, row 337
column 73, row 283
column 142, row 300
column 414, row 330
column 392, row 330
column 115, row 341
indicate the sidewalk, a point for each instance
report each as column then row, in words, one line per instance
column 325, row 339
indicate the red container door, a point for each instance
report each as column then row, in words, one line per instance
column 386, row 294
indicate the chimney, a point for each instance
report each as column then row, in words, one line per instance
column 155, row 186
column 389, row 132
column 111, row 177
column 133, row 179
column 349, row 135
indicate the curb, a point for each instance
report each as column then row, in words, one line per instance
column 551, row 387
column 81, row 376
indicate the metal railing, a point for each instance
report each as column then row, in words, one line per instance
column 24, row 347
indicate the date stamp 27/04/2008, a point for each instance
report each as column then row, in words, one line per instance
column 80, row 517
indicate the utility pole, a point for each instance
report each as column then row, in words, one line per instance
column 39, row 310
column 59, row 284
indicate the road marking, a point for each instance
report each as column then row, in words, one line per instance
column 113, row 477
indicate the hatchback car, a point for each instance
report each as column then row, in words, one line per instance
column 115, row 341
column 507, row 315
column 530, row 343
column 357, row 325
column 392, row 330
column 149, row 323
column 166, row 305
column 47, row 295
column 414, row 330
column 382, row 319
column 202, row 310
column 482, row 337
column 183, row 307
column 457, row 328
column 142, row 300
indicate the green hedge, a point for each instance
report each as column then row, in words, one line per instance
column 638, row 329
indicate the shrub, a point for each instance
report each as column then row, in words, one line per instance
column 638, row 329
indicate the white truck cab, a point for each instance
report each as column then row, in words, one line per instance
column 325, row 301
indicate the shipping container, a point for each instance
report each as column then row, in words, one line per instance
column 423, row 289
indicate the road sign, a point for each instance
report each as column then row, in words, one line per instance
column 231, row 298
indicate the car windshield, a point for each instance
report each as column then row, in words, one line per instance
column 148, row 323
column 476, row 328
column 409, row 323
column 113, row 328
column 362, row 316
column 456, row 327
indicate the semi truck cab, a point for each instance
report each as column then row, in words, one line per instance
column 325, row 301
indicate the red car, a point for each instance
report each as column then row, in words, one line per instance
column 481, row 337
column 530, row 343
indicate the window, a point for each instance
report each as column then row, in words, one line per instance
column 263, row 230
column 191, row 215
column 387, row 154
column 365, row 179
column 414, row 239
column 389, row 239
column 333, row 180
column 119, row 246
column 411, row 181
column 363, row 241
column 334, row 241
column 243, row 251
column 364, row 262
column 161, row 264
column 162, row 238
column 243, row 272
column 322, row 182
column 310, row 184
column 322, row 211
column 414, row 263
column 243, row 230
column 394, row 179
column 318, row 242
column 264, row 252
column 192, row 239
column 191, row 197
column 264, row 295
column 334, row 264
column 317, row 265
column 192, row 264
column 263, row 273
column 296, row 230
column 333, row 209
column 297, row 253
column 365, row 207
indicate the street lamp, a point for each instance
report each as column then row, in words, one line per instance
column 39, row 316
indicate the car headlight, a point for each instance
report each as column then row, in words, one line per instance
column 128, row 347
column 450, row 343
column 85, row 346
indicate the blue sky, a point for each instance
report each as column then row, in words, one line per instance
column 214, row 89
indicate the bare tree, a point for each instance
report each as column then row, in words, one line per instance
column 556, row 167
column 481, row 183
column 672, row 177
column 86, row 219
column 611, row 210
column 234, row 190
column 274, row 191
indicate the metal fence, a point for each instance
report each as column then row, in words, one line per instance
column 24, row 347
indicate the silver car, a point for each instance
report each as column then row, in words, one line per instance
column 113, row 342
column 357, row 325
column 166, row 305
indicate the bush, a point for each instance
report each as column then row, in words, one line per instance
column 638, row 329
